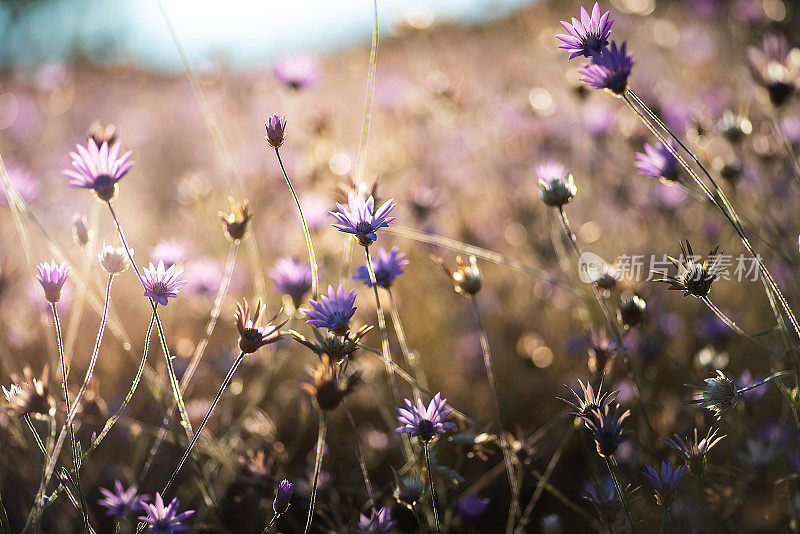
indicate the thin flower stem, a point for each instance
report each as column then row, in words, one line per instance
column 361, row 463
column 5, row 528
column 769, row 378
column 718, row 197
column 323, row 428
column 225, row 383
column 411, row 359
column 113, row 419
column 386, row 351
column 361, row 159
column 664, row 513
column 176, row 392
column 76, row 460
column 733, row 326
column 51, row 463
column 50, row 457
column 434, row 504
column 312, row 260
column 272, row 521
column 612, row 469
column 513, row 513
column 199, row 350
column 601, row 300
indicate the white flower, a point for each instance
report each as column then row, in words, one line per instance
column 114, row 260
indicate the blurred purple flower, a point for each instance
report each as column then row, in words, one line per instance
column 361, row 219
column 611, row 70
column 98, row 168
column 424, row 423
column 387, row 266
column 165, row 519
column 161, row 283
column 746, row 380
column 204, row 276
column 333, row 311
column 293, row 278
column 171, row 252
column 657, row 162
column 379, row 522
column 23, row 181
column 120, row 502
column 665, row 482
column 589, row 36
column 471, row 508
column 598, row 120
column 298, row 72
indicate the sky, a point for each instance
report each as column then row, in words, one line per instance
column 242, row 33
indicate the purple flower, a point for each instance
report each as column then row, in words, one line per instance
column 120, row 502
column 603, row 496
column 161, row 283
column 52, row 278
column 611, row 70
column 23, row 181
column 746, row 380
column 165, row 519
column 379, row 522
column 387, row 267
column 297, row 72
column 606, row 424
column 283, row 496
column 276, row 130
column 665, row 483
column 471, row 508
column 333, row 311
column 361, row 219
column 205, row 276
column 293, row 278
column 171, row 252
column 255, row 330
column 657, row 162
column 589, row 36
column 98, row 168
column 424, row 423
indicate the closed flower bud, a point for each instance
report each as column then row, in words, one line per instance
column 235, row 222
column 556, row 185
column 632, row 311
column 409, row 491
column 80, row 230
column 467, row 279
column 114, row 260
column 101, row 133
column 283, row 497
column 276, row 130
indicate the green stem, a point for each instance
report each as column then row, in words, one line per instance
column 663, row 519
column 410, row 358
column 361, row 463
column 323, row 427
column 306, row 233
column 271, row 522
column 770, row 377
column 612, row 469
column 361, row 160
column 733, row 326
column 432, row 484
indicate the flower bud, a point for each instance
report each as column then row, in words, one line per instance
column 632, row 311
column 114, row 260
column 80, row 230
column 276, row 130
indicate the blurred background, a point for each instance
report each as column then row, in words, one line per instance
column 470, row 96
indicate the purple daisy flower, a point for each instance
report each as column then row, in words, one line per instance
column 387, row 266
column 120, row 502
column 98, row 169
column 665, row 483
column 611, row 70
column 161, row 283
column 361, row 219
column 424, row 423
column 165, row 519
column 52, row 277
column 379, row 522
column 276, row 130
column 589, row 36
column 333, row 311
column 471, row 508
column 283, row 496
column 293, row 278
column 297, row 72
column 657, row 162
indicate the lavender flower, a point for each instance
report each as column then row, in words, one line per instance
column 120, row 502
column 387, row 267
column 379, row 522
column 657, row 162
column 298, row 72
column 161, row 283
column 606, row 424
column 293, row 278
column 587, row 37
column 471, row 508
column 424, row 423
column 609, row 71
column 52, row 277
column 255, row 332
column 283, row 497
column 665, row 483
column 776, row 68
column 98, row 168
column 694, row 451
column 165, row 519
column 603, row 497
column 171, row 252
column 556, row 185
column 333, row 311
column 361, row 219
column 589, row 400
column 276, row 130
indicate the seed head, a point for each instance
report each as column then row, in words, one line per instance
column 235, row 222
column 719, row 395
column 30, row 395
column 693, row 278
column 327, row 387
column 632, row 311
column 694, row 451
column 467, row 279
column 255, row 331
